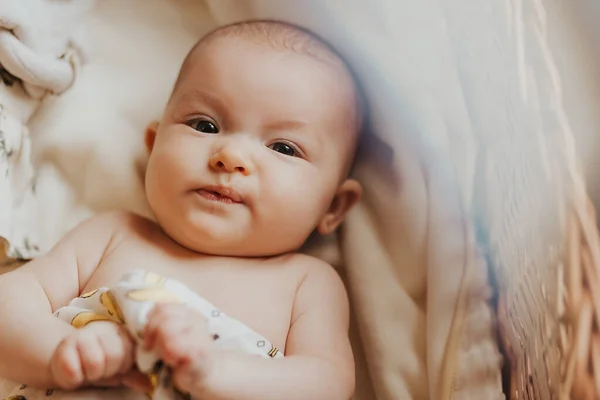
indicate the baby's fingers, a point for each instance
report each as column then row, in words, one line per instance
column 65, row 366
column 92, row 357
column 177, row 333
column 173, row 345
column 160, row 316
column 118, row 353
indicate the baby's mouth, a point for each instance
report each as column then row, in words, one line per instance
column 221, row 194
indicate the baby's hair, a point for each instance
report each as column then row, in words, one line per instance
column 284, row 36
column 278, row 36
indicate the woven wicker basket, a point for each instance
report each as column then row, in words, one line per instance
column 552, row 341
column 579, row 309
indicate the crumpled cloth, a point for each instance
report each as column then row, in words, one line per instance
column 129, row 303
column 37, row 42
column 18, row 239
column 39, row 55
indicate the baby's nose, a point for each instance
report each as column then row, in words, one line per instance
column 231, row 159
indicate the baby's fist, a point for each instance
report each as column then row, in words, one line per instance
column 179, row 335
column 99, row 351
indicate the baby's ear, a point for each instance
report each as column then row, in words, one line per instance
column 347, row 196
column 150, row 136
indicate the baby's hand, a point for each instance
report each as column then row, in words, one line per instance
column 93, row 354
column 179, row 336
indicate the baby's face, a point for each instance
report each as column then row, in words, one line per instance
column 252, row 149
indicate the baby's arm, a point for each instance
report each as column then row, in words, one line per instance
column 318, row 363
column 29, row 333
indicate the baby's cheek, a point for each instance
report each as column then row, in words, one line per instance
column 299, row 204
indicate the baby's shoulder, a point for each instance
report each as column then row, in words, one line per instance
column 320, row 288
column 313, row 270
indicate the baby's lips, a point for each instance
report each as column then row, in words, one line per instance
column 225, row 191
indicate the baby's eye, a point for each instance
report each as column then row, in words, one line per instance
column 204, row 125
column 283, row 148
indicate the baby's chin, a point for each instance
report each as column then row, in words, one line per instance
column 233, row 248
column 219, row 242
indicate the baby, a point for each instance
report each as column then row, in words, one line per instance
column 251, row 156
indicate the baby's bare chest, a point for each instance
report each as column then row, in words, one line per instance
column 259, row 293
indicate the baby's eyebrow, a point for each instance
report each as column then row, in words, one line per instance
column 211, row 100
column 286, row 125
column 297, row 130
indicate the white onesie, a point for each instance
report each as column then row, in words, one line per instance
column 129, row 303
